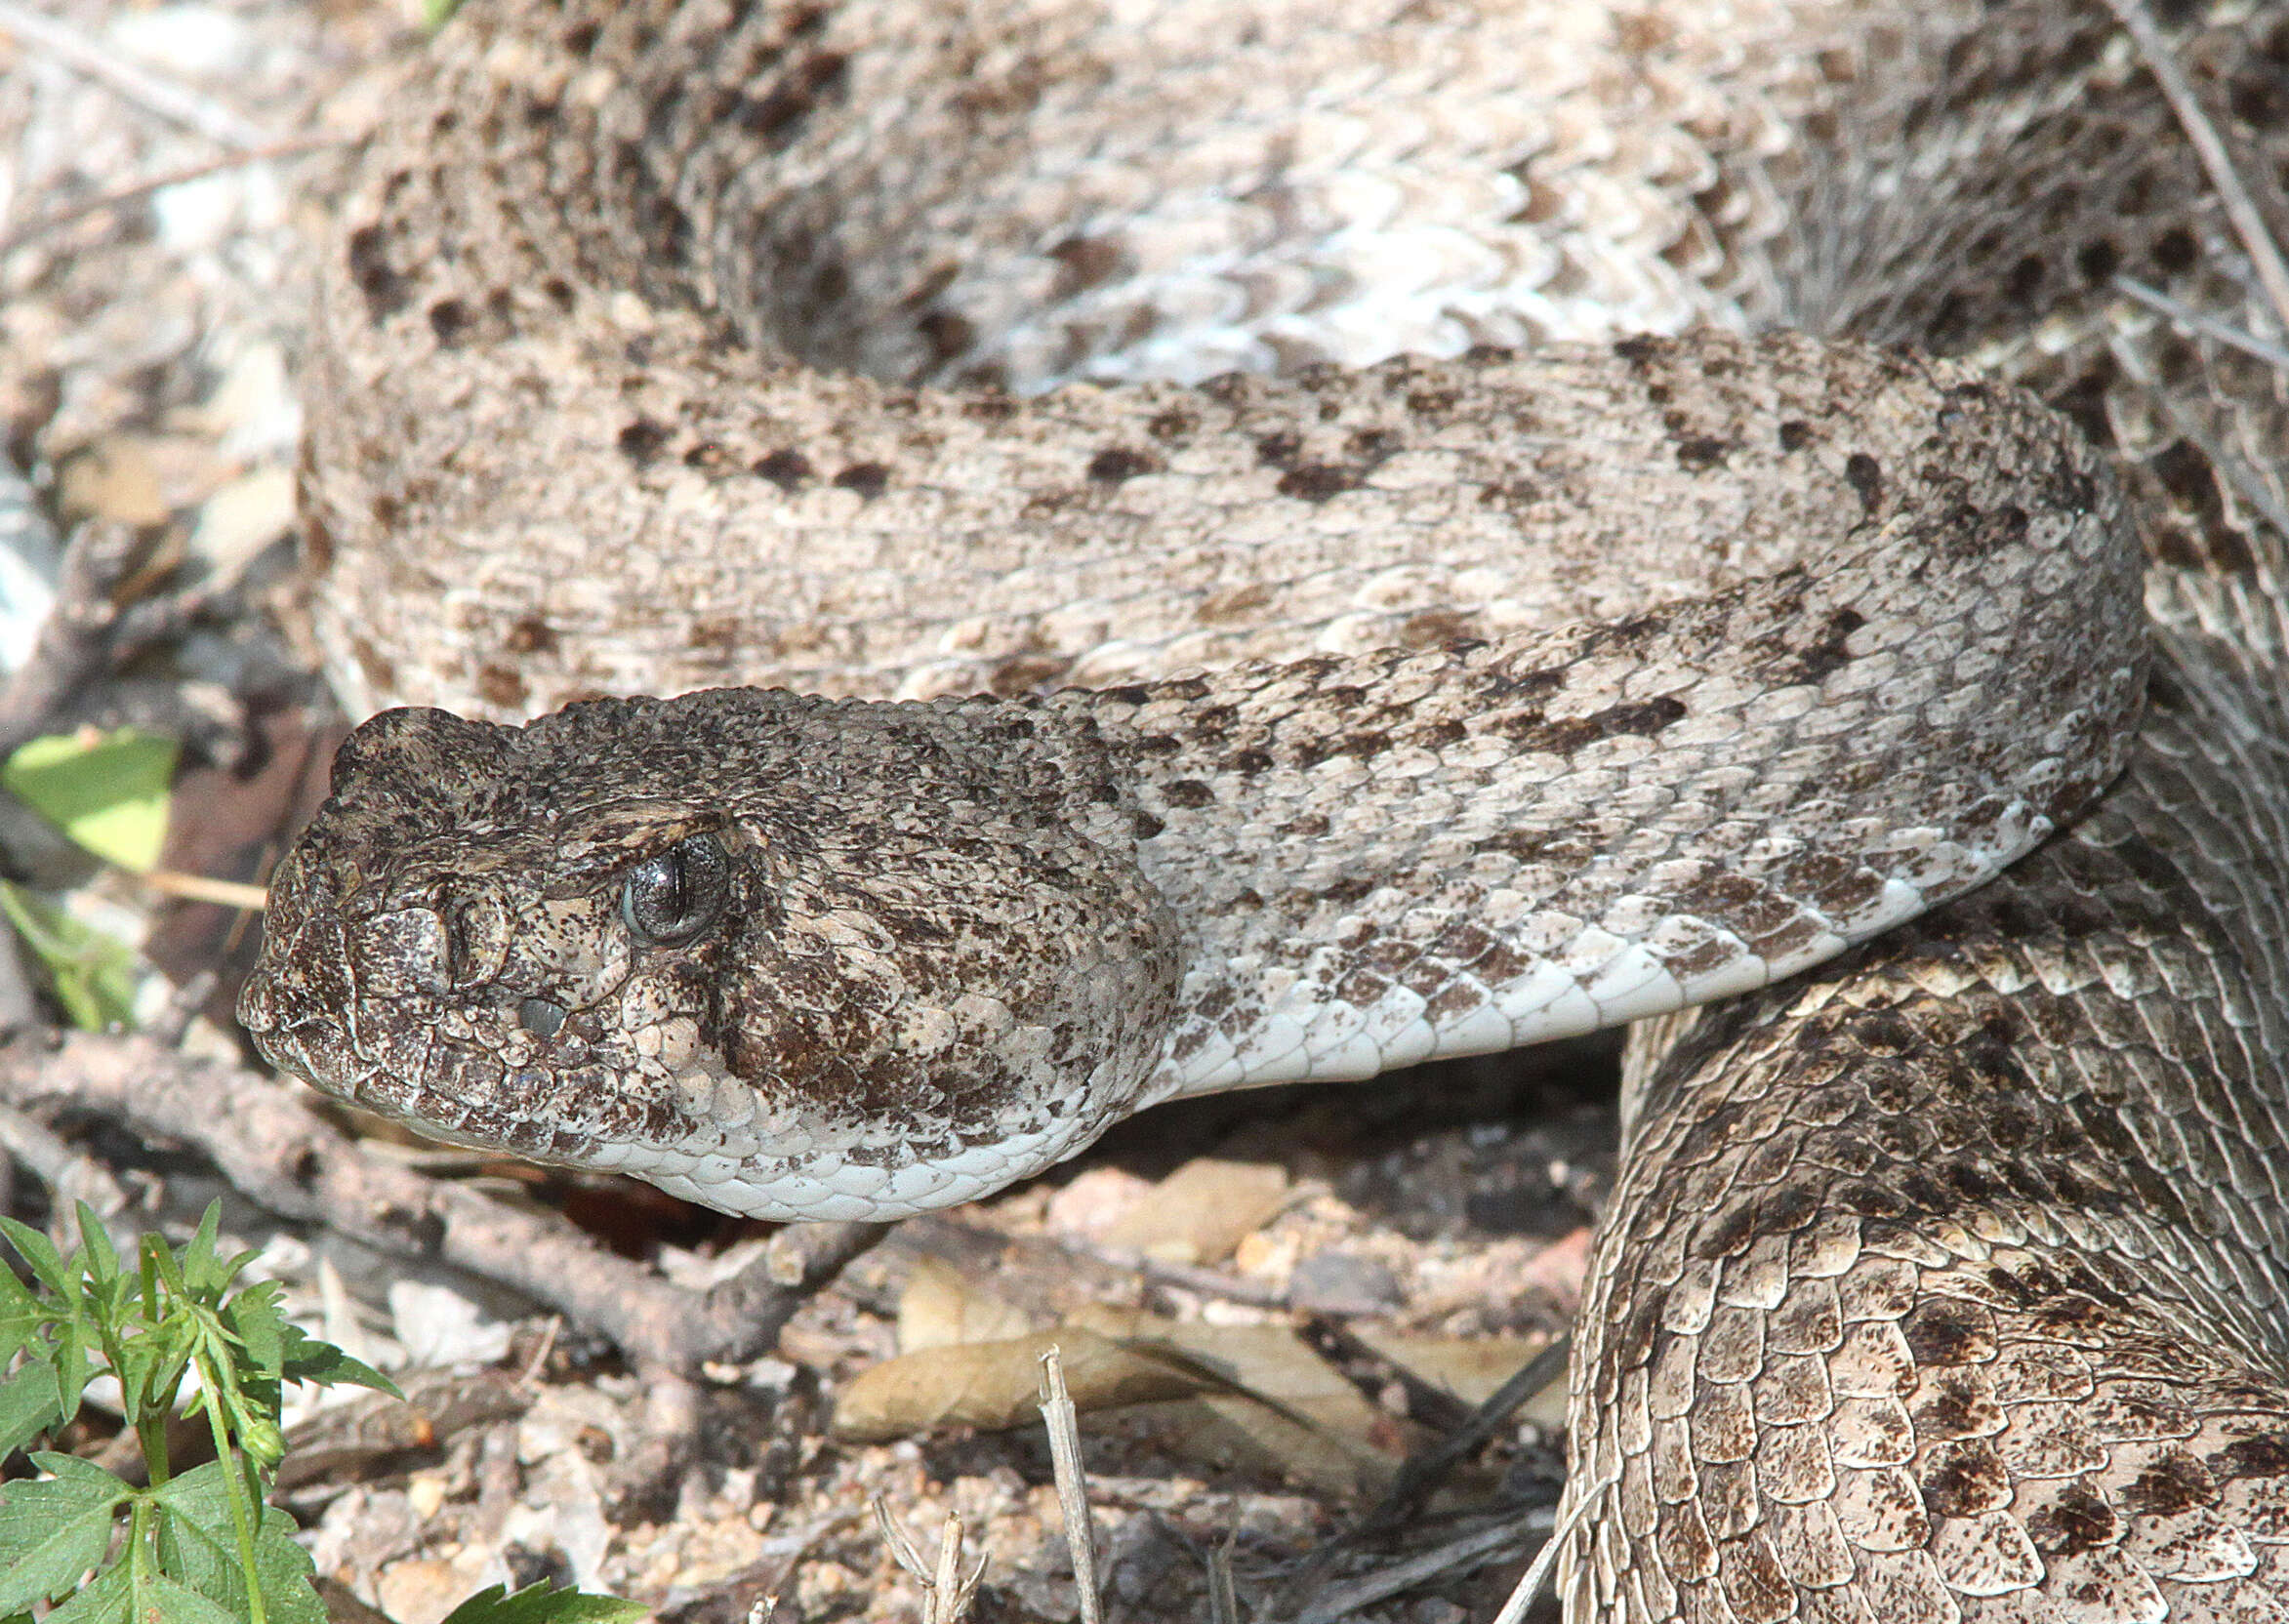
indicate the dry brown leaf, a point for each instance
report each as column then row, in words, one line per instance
column 1243, row 1434
column 1199, row 1212
column 942, row 1307
column 996, row 1385
column 1280, row 1410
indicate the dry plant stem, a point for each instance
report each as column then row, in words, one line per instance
column 2249, row 223
column 1437, row 1410
column 1427, row 1468
column 1223, row 1600
column 162, row 97
column 946, row 1593
column 1423, row 1470
column 949, row 1592
column 1062, row 1420
column 1530, row 1582
column 285, row 1158
column 2193, row 320
column 333, row 1446
column 70, row 1176
column 36, row 231
column 229, row 893
column 1471, row 1551
column 86, row 632
column 1187, row 1276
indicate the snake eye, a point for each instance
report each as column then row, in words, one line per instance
column 670, row 899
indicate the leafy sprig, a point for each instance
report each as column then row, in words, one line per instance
column 196, row 1547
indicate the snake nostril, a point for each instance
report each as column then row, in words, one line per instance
column 540, row 1017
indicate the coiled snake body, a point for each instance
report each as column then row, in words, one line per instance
column 1261, row 728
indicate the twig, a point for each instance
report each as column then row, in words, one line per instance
column 229, row 893
column 328, row 1448
column 1223, row 1598
column 1469, row 1551
column 70, row 1175
column 2241, row 209
column 1187, row 1276
column 1424, row 1470
column 148, row 89
column 72, row 214
column 1063, row 1422
column 947, row 1594
column 284, row 1157
column 1427, row 1467
column 86, row 632
column 1529, row 1583
column 2200, row 321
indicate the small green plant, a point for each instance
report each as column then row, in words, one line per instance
column 198, row 1547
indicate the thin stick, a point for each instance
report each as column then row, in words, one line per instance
column 32, row 230
column 1223, row 1600
column 290, row 1161
column 946, row 1582
column 902, row 1550
column 2200, row 321
column 2249, row 225
column 145, row 89
column 1063, row 1422
column 1470, row 1551
column 946, row 1594
column 231, row 893
column 1424, row 1468
column 69, row 1175
column 1545, row 1562
column 1530, row 1582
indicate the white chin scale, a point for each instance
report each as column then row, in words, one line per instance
column 829, row 1186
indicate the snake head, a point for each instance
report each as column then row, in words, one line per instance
column 785, row 956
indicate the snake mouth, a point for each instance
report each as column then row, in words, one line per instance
column 313, row 1045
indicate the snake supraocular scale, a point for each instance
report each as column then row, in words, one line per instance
column 1263, row 728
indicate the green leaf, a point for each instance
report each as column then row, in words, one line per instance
column 130, row 1593
column 93, row 976
column 284, row 1570
column 40, row 1253
column 199, row 1546
column 541, row 1605
column 108, row 791
column 30, row 1404
column 308, row 1359
column 257, row 1323
column 106, row 1598
column 22, row 1318
column 54, row 1530
column 97, row 1259
column 20, row 1314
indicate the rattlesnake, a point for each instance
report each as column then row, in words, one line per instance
column 1378, row 709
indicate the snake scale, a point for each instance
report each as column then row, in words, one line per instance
column 1170, row 690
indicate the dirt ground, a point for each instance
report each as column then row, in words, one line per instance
column 1265, row 1302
